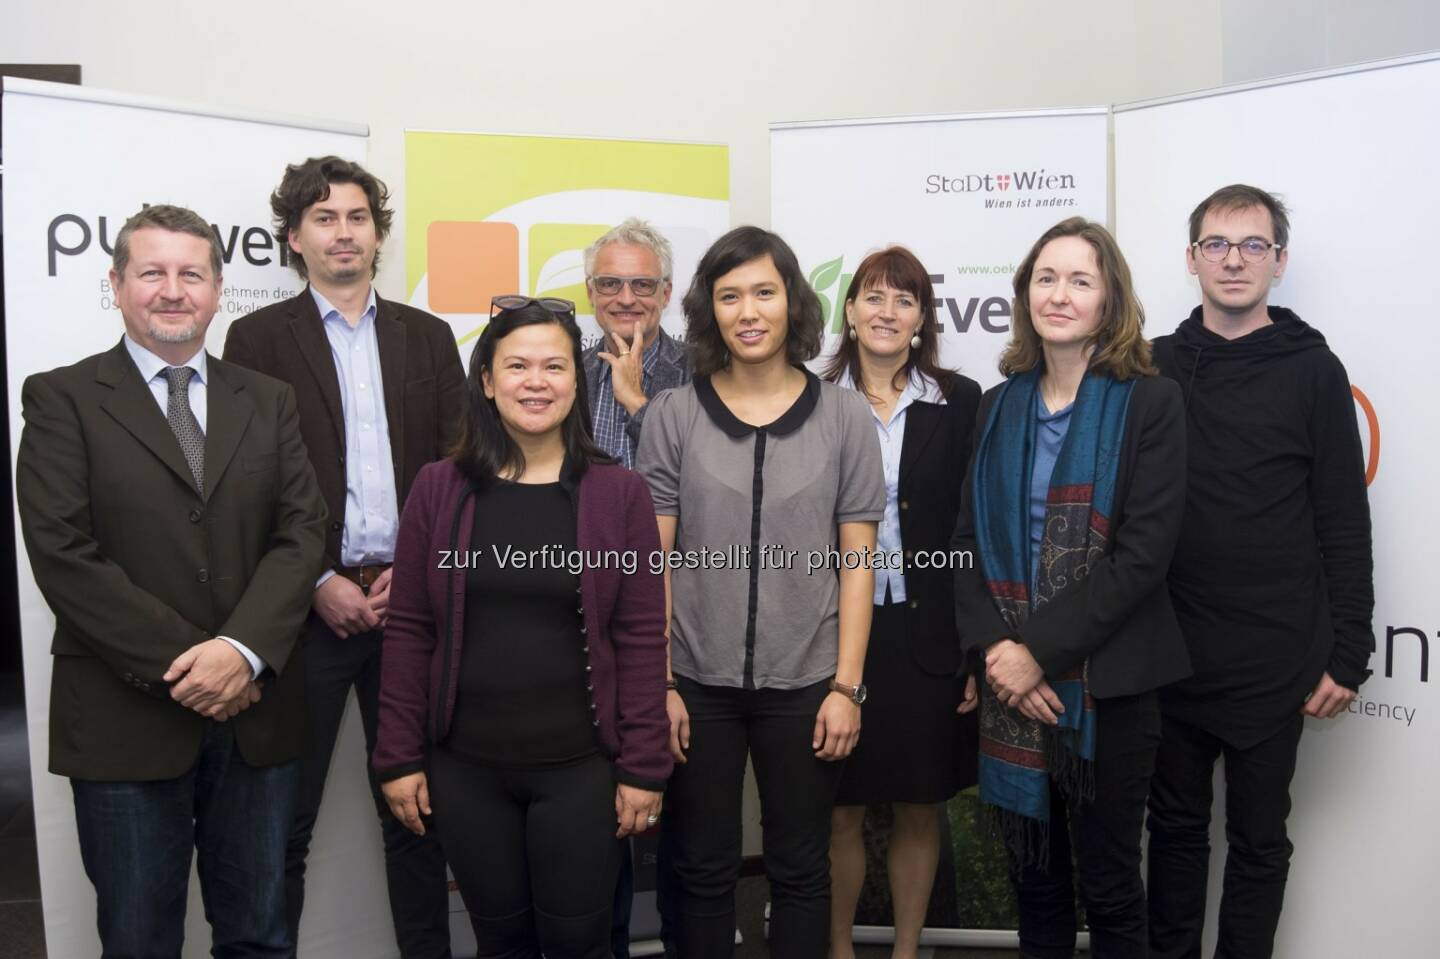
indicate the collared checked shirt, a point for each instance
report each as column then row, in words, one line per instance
column 892, row 440
column 371, row 514
column 610, row 418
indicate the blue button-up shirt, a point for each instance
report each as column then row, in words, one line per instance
column 1050, row 431
column 892, row 440
column 609, row 417
column 371, row 512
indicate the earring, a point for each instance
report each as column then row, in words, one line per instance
column 853, row 334
column 915, row 341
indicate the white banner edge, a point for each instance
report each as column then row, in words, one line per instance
column 68, row 91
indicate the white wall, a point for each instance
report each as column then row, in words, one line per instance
column 630, row 68
column 1276, row 37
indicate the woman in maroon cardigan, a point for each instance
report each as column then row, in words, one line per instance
column 523, row 679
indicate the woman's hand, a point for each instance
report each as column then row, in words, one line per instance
column 972, row 697
column 409, row 798
column 1041, row 704
column 679, row 724
column 1011, row 671
column 837, row 728
column 637, row 810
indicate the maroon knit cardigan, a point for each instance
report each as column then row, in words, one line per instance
column 623, row 631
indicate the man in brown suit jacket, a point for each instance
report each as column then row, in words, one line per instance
column 175, row 527
column 380, row 390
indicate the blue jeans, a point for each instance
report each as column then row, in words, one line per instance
column 136, row 839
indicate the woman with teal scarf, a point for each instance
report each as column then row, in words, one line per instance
column 1072, row 506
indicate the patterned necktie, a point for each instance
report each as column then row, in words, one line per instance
column 182, row 421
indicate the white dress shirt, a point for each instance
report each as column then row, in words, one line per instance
column 892, row 440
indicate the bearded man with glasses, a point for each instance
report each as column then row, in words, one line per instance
column 1272, row 579
column 628, row 277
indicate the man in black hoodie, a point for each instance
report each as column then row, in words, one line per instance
column 1271, row 579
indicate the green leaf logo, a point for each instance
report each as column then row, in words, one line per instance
column 825, row 275
column 822, row 278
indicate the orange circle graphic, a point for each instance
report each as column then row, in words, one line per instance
column 1372, row 463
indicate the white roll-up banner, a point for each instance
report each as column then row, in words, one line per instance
column 1352, row 153
column 78, row 162
column 968, row 195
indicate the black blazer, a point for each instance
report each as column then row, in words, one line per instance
column 419, row 369
column 1120, row 615
column 138, row 566
column 933, row 457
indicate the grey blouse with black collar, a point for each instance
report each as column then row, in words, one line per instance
column 758, row 507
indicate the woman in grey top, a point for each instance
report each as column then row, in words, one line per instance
column 768, row 487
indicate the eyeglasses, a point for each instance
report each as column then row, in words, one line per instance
column 561, row 308
column 1252, row 248
column 639, row 285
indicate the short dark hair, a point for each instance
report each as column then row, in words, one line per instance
column 736, row 248
column 305, row 184
column 176, row 219
column 484, row 450
column 899, row 269
column 1239, row 196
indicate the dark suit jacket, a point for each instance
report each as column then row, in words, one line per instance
column 419, row 368
column 138, row 566
column 933, row 457
column 1120, row 615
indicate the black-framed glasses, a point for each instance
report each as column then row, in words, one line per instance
column 639, row 285
column 1252, row 248
column 514, row 301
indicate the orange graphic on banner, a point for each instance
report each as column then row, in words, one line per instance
column 1372, row 462
column 470, row 262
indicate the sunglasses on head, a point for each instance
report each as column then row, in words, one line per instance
column 553, row 304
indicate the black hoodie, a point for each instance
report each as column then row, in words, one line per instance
column 1272, row 577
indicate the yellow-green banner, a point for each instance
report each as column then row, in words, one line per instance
column 489, row 214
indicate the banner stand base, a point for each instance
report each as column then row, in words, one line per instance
column 973, row 938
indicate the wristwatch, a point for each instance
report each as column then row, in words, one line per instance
column 855, row 693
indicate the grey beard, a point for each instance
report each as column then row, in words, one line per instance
column 184, row 334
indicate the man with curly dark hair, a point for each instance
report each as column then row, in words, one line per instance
column 380, row 391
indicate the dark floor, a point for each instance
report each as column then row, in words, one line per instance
column 22, row 929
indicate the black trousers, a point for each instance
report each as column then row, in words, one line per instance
column 414, row 865
column 797, row 791
column 1104, row 836
column 534, row 853
column 1257, row 862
